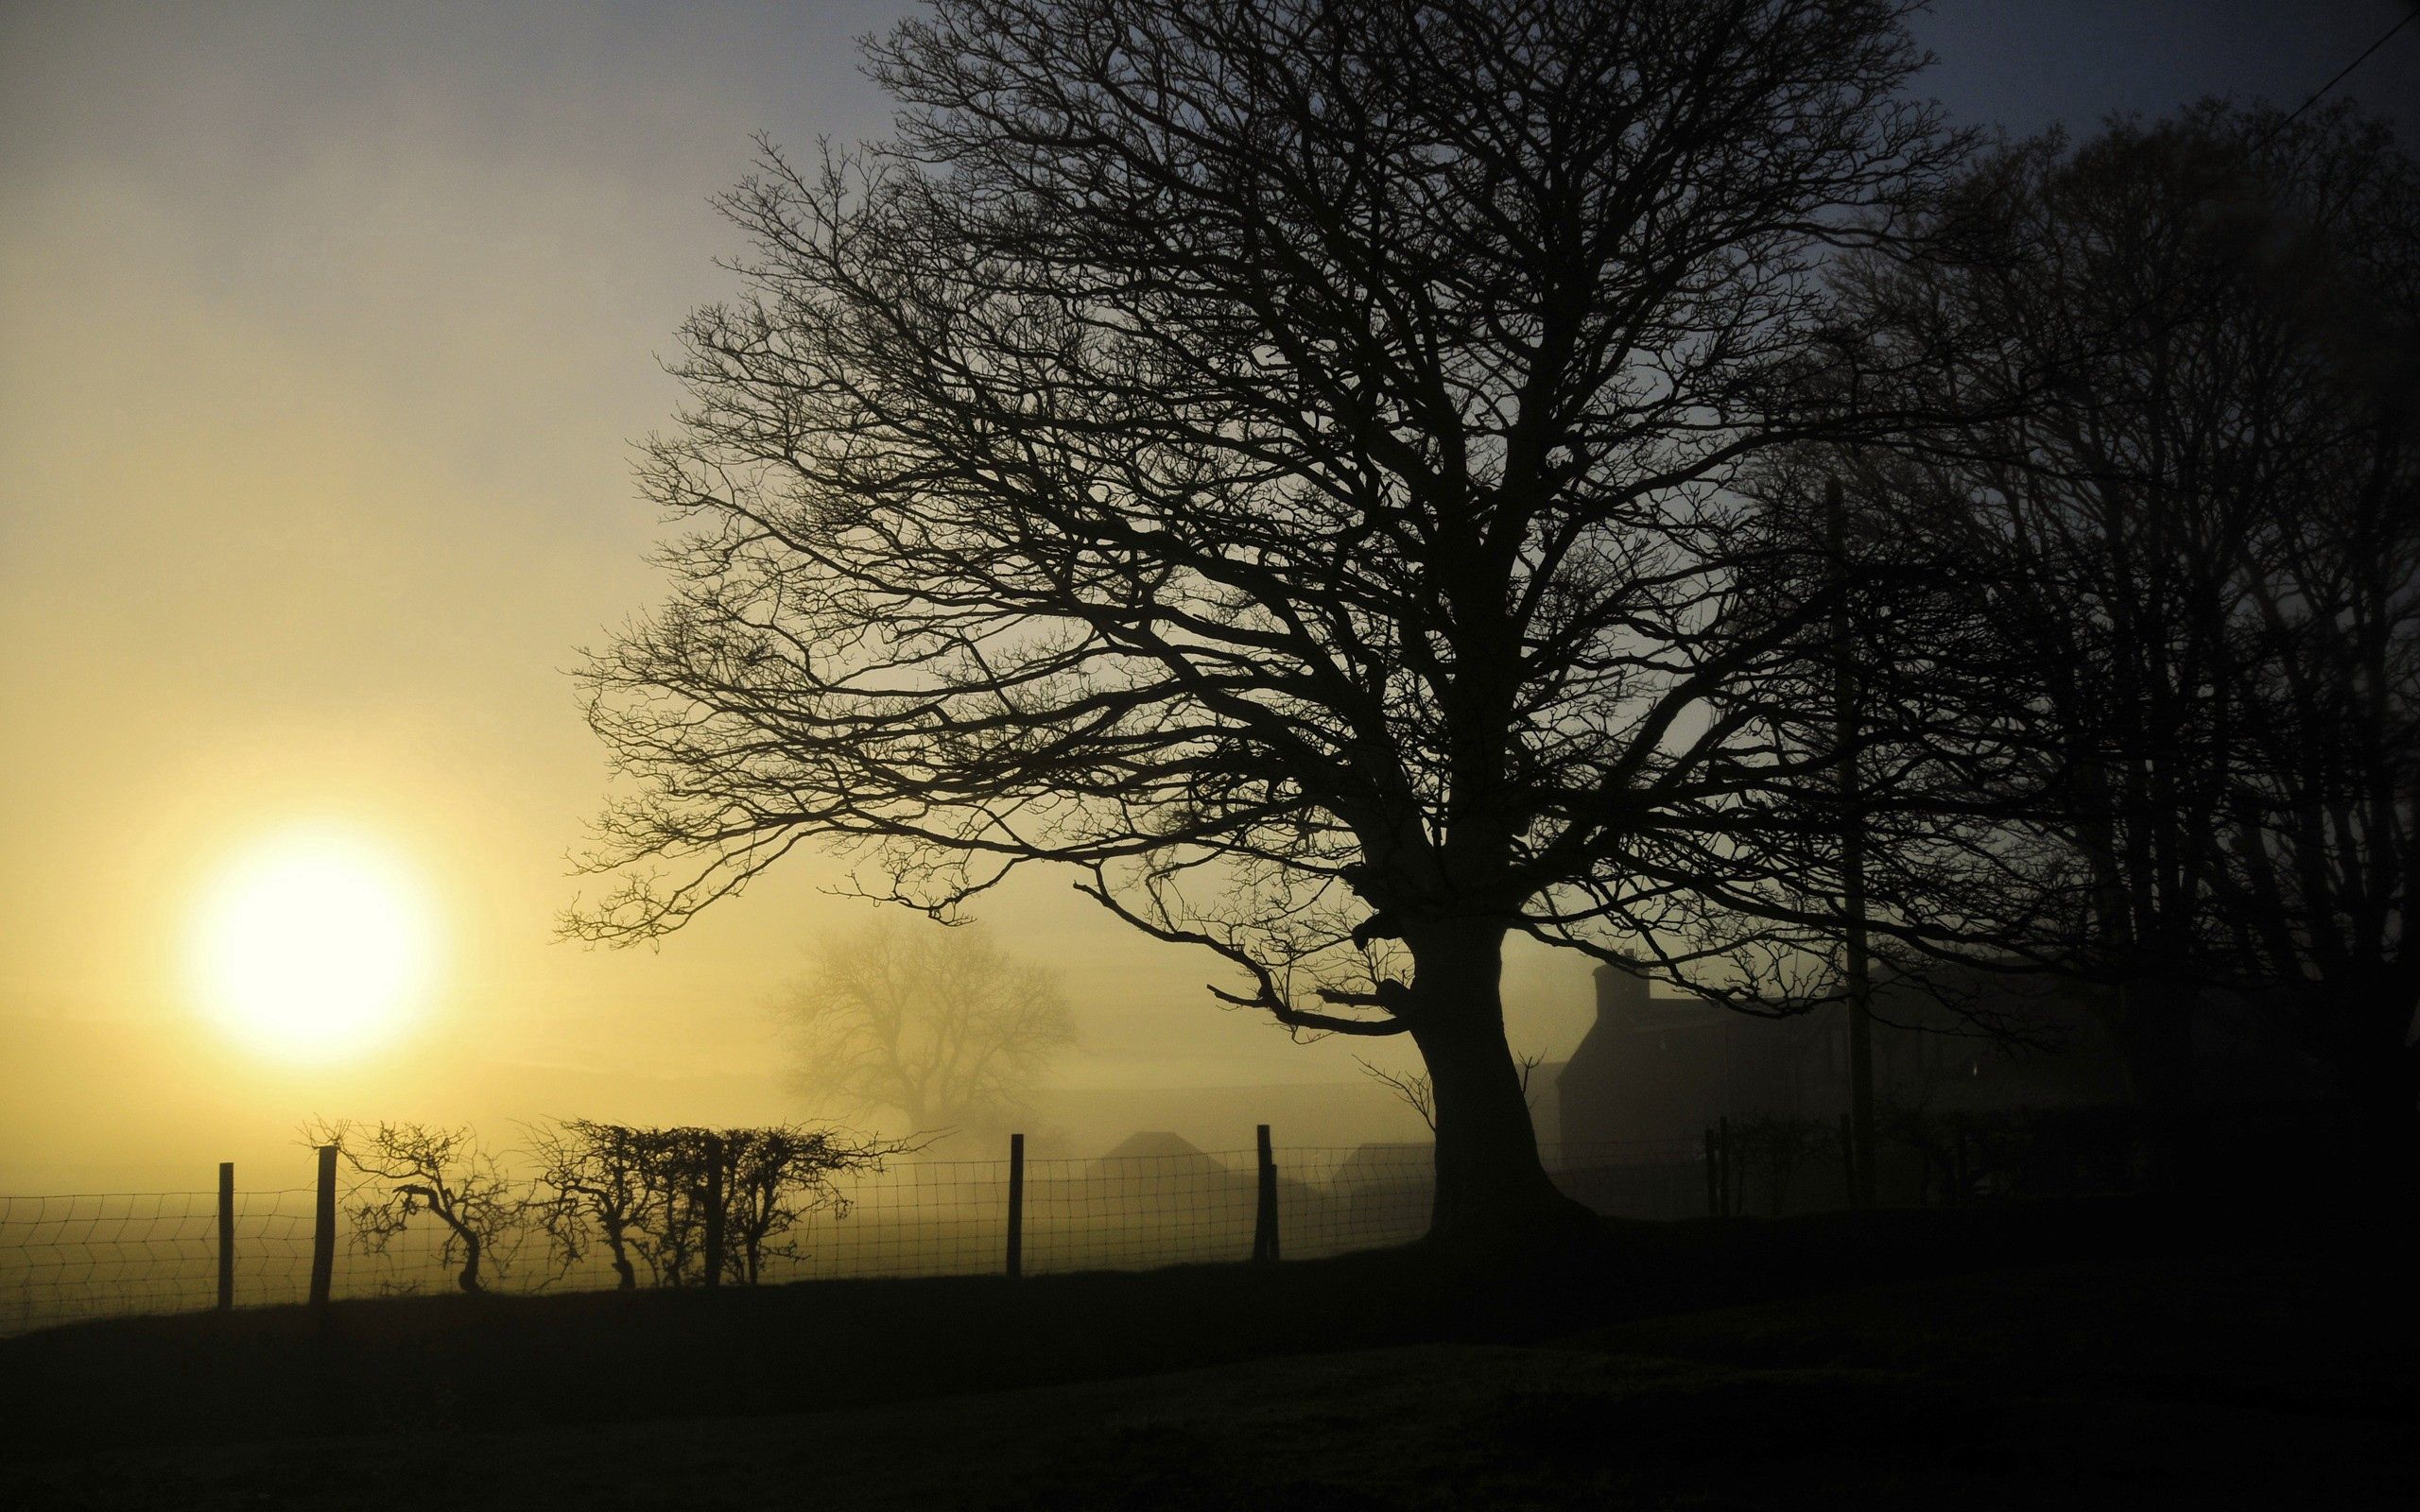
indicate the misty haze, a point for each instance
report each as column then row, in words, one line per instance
column 1261, row 754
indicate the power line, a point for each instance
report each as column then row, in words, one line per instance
column 2316, row 94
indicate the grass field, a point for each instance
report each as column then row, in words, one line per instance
column 2007, row 1357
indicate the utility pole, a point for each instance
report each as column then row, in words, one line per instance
column 1844, row 734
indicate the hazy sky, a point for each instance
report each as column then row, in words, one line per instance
column 324, row 330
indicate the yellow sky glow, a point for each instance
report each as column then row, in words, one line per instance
column 325, row 331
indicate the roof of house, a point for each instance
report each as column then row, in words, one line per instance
column 1162, row 1146
column 1408, row 1161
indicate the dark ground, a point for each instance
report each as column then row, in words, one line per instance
column 2011, row 1356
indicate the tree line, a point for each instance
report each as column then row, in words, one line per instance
column 2135, row 627
column 663, row 1207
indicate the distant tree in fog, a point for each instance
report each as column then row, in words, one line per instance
column 408, row 1169
column 1272, row 459
column 939, row 1026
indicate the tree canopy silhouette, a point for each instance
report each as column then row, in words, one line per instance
column 696, row 1207
column 1268, row 455
column 2197, row 551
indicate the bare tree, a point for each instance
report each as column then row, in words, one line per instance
column 694, row 1206
column 2186, row 494
column 773, row 1179
column 595, row 1179
column 2315, row 891
column 940, row 1026
column 1270, row 457
column 678, row 1212
column 414, row 1168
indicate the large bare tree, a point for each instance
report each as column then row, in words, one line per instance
column 1268, row 455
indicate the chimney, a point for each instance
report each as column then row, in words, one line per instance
column 1621, row 997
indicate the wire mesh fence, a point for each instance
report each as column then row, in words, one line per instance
column 100, row 1254
column 69, row 1257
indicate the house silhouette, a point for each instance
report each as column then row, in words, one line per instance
column 1661, row 1069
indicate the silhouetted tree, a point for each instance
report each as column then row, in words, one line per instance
column 443, row 1171
column 772, row 1178
column 2315, row 889
column 1271, row 457
column 2185, row 495
column 695, row 1206
column 1888, row 841
column 596, row 1179
column 939, row 1024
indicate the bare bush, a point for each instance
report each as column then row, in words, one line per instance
column 411, row 1168
column 691, row 1206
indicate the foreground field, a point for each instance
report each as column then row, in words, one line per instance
column 1994, row 1370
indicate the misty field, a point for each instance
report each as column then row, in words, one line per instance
column 74, row 1257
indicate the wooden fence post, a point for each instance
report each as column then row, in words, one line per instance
column 715, row 1199
column 226, row 1237
column 323, row 1232
column 1016, row 1206
column 1264, row 1228
column 1848, row 1163
column 1730, row 1168
column 1956, row 1159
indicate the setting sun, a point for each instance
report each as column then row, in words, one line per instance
column 313, row 945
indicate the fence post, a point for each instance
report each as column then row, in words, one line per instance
column 1264, row 1228
column 1016, row 1206
column 1848, row 1163
column 226, row 1237
column 715, row 1202
column 1958, row 1158
column 1730, row 1168
column 323, row 1232
column 1713, row 1176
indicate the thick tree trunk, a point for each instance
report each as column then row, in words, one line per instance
column 2155, row 1031
column 1491, row 1186
column 2384, row 1163
column 626, row 1275
column 2378, row 1068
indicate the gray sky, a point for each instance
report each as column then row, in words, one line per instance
column 323, row 332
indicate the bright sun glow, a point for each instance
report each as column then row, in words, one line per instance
column 315, row 946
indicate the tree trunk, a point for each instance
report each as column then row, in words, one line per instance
column 2378, row 1068
column 1491, row 1186
column 626, row 1275
column 2156, row 1034
column 469, row 1279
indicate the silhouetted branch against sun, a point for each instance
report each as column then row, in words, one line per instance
column 1274, row 457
